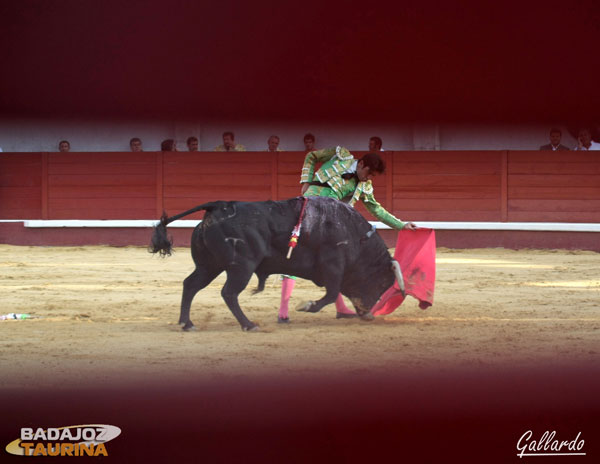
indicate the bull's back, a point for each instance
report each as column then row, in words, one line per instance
column 250, row 231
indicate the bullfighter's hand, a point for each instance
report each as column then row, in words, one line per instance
column 410, row 226
column 304, row 188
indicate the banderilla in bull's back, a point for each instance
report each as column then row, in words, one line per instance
column 336, row 250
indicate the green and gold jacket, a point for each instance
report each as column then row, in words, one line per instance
column 336, row 161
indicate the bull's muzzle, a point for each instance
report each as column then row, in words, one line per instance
column 398, row 274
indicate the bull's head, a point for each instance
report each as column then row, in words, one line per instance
column 365, row 284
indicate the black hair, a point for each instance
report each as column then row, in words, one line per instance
column 378, row 141
column 374, row 162
column 167, row 145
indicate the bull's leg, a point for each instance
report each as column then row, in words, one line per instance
column 195, row 282
column 237, row 280
column 262, row 278
column 332, row 291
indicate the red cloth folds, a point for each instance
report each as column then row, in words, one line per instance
column 415, row 252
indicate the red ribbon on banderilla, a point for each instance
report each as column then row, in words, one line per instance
column 296, row 232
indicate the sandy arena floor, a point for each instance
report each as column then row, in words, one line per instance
column 108, row 315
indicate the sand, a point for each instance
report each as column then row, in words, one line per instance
column 107, row 316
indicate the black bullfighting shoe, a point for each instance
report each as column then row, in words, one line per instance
column 345, row 316
column 283, row 320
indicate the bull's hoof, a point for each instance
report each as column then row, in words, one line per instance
column 306, row 307
column 251, row 328
column 283, row 320
column 367, row 317
column 345, row 316
column 188, row 327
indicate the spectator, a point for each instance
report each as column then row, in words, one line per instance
column 168, row 145
column 554, row 145
column 273, row 143
column 192, row 143
column 375, row 144
column 135, row 144
column 585, row 140
column 64, row 146
column 309, row 142
column 229, row 143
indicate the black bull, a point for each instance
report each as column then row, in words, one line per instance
column 336, row 250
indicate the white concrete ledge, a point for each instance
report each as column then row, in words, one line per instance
column 525, row 226
column 530, row 226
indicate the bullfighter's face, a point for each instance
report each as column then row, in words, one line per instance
column 364, row 172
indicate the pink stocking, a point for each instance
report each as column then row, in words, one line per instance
column 286, row 292
column 341, row 307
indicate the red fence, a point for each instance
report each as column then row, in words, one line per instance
column 419, row 185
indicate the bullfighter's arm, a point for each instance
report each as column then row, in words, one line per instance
column 321, row 156
column 365, row 193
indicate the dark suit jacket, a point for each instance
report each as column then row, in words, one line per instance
column 549, row 147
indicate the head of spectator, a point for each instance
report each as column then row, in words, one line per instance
column 375, row 144
column 168, row 145
column 192, row 143
column 135, row 144
column 64, row 146
column 273, row 143
column 229, row 140
column 585, row 137
column 309, row 142
column 555, row 136
column 369, row 166
column 229, row 143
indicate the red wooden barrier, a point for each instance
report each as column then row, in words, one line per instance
column 436, row 186
column 552, row 187
column 20, row 185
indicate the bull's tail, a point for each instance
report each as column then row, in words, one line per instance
column 160, row 242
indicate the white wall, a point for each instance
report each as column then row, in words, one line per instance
column 500, row 137
column 114, row 135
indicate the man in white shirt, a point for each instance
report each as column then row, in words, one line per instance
column 585, row 141
column 273, row 143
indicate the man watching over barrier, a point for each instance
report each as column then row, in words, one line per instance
column 273, row 143
column 375, row 144
column 229, row 143
column 342, row 177
column 64, row 146
column 192, row 143
column 585, row 141
column 135, row 144
column 168, row 145
column 554, row 145
column 309, row 142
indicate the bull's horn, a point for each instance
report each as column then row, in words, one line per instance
column 399, row 278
